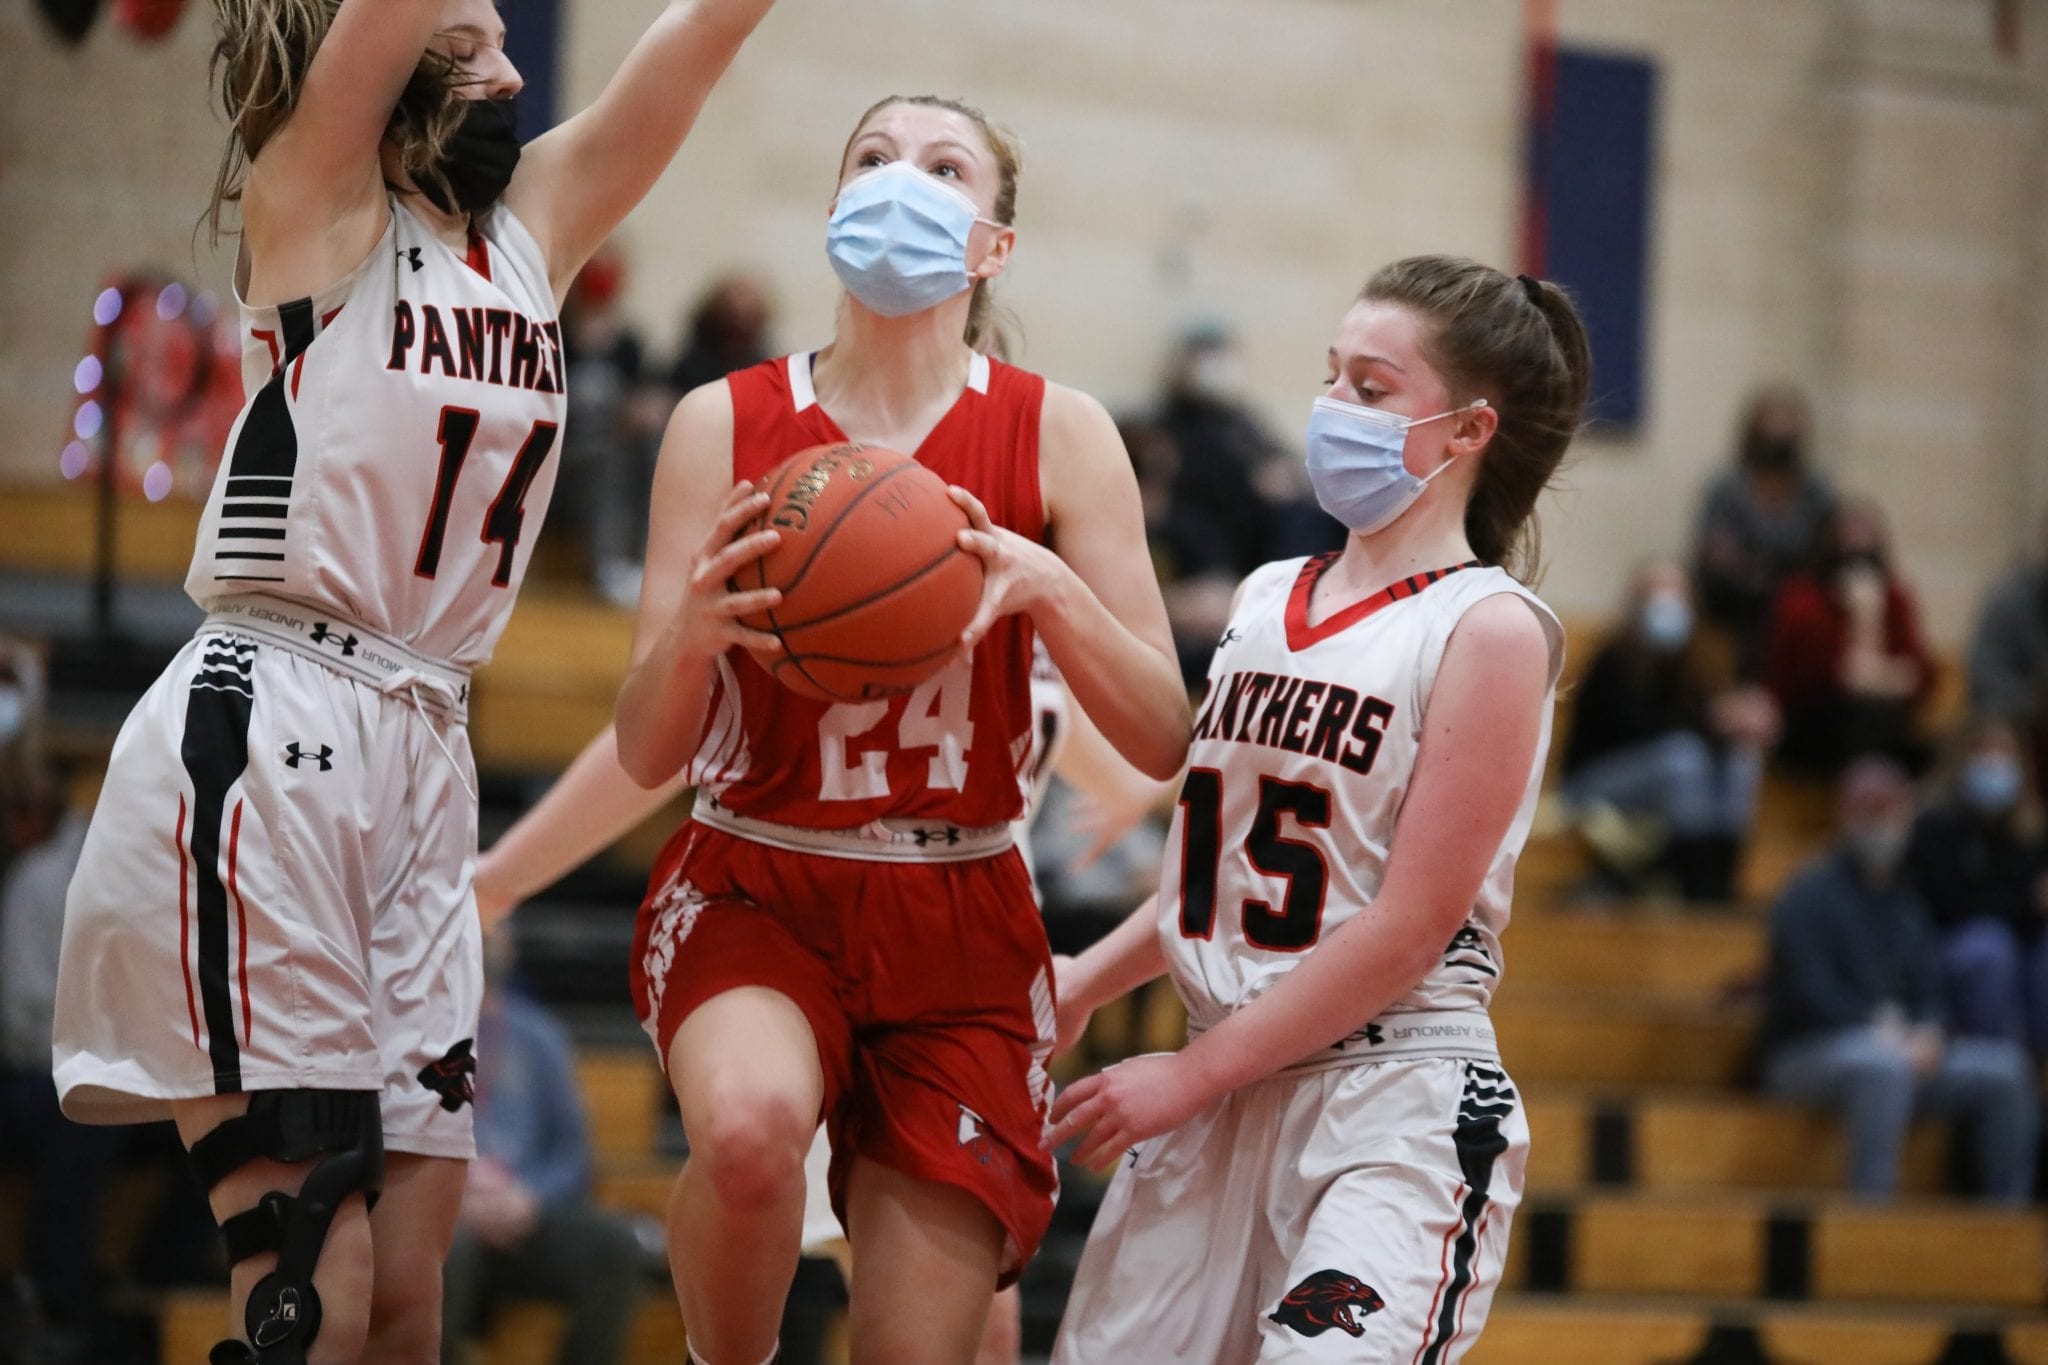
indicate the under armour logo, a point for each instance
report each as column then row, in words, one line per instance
column 1230, row 636
column 1374, row 1035
column 295, row 754
column 923, row 837
column 321, row 635
column 412, row 254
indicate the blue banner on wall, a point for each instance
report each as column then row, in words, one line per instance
column 1588, row 205
column 533, row 40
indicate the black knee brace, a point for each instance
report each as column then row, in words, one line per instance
column 343, row 1130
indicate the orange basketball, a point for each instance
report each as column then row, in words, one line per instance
column 875, row 587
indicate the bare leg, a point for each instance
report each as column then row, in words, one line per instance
column 925, row 1259
column 342, row 1277
column 745, row 1070
column 412, row 1228
column 1002, row 1341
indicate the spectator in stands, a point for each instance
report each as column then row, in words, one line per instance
column 25, row 805
column 1197, row 573
column 69, row 1165
column 1655, row 738
column 728, row 330
column 528, row 1227
column 614, row 424
column 1852, row 1018
column 1846, row 657
column 1222, row 449
column 1979, row 861
column 2009, row 651
column 1760, row 522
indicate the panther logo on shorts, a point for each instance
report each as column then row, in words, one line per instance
column 1326, row 1299
column 453, row 1078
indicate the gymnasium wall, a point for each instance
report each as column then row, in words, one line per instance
column 1851, row 193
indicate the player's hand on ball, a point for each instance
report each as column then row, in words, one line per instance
column 1132, row 1102
column 707, row 623
column 1018, row 573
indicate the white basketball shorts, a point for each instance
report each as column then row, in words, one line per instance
column 275, row 894
column 1358, row 1214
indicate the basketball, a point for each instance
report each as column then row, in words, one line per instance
column 875, row 587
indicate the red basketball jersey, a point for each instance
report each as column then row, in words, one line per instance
column 954, row 748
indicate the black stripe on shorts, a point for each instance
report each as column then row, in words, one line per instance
column 216, row 753
column 1488, row 1099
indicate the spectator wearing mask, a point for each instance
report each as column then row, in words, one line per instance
column 1846, row 658
column 528, row 1228
column 1852, row 1018
column 1979, row 861
column 727, row 330
column 614, row 422
column 2009, row 651
column 1235, row 488
column 1761, row 521
column 1654, row 739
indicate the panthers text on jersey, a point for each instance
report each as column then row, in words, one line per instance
column 395, row 456
column 1303, row 753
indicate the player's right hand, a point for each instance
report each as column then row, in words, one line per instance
column 707, row 621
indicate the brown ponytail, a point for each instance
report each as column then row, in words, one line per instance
column 986, row 330
column 1517, row 342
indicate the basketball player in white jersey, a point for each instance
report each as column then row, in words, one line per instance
column 271, row 938
column 1362, row 778
column 577, row 819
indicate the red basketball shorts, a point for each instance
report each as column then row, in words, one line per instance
column 927, row 985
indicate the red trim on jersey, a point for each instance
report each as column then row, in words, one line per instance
column 241, row 918
column 268, row 336
column 479, row 257
column 299, row 365
column 1444, row 1275
column 185, row 925
column 1300, row 634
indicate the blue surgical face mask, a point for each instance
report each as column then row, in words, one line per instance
column 1991, row 783
column 1666, row 622
column 898, row 239
column 1355, row 465
column 13, row 712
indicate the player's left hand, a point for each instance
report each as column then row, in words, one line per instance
column 1131, row 1102
column 1018, row 573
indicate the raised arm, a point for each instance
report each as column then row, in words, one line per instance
column 577, row 182
column 314, row 202
column 1093, row 598
column 687, row 617
column 1485, row 719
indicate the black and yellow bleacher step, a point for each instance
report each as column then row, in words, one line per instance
column 1670, row 1141
column 1551, row 1036
column 1647, row 954
column 1526, row 1329
column 1833, row 1251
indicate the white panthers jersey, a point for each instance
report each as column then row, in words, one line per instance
column 397, row 451
column 1302, row 756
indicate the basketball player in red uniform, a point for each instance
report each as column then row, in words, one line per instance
column 271, row 938
column 844, row 928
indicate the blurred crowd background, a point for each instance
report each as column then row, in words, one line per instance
column 1787, row 901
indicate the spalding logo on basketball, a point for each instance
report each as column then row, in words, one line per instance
column 875, row 586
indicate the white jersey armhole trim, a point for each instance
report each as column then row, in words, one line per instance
column 803, row 397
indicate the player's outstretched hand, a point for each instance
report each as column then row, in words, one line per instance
column 1071, row 1019
column 1132, row 1102
column 707, row 622
column 1018, row 573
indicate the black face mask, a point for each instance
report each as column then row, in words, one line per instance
column 480, row 160
column 1771, row 455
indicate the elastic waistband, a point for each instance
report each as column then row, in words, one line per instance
column 1414, row 1033
column 348, row 647
column 881, row 841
